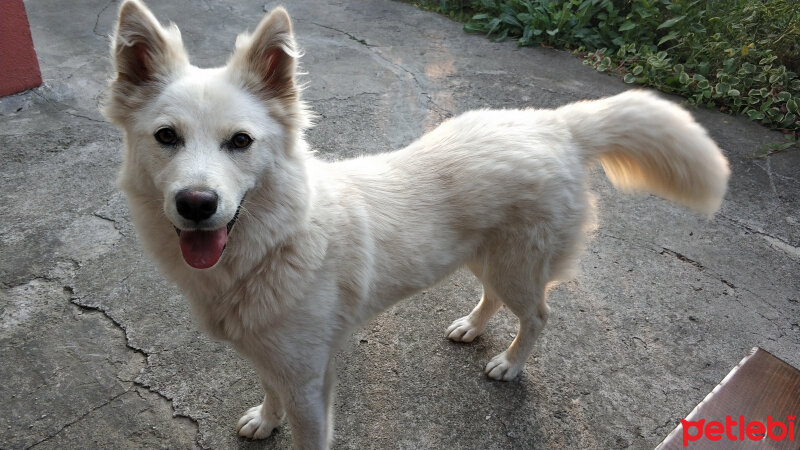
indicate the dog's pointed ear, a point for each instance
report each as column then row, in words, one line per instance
column 267, row 59
column 145, row 55
column 143, row 50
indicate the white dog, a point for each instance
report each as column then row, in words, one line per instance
column 283, row 255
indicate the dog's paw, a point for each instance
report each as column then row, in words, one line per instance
column 501, row 369
column 253, row 426
column 462, row 330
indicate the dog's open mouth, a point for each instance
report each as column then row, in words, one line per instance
column 202, row 249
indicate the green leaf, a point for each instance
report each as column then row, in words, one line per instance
column 755, row 115
column 671, row 22
column 670, row 36
column 722, row 88
column 734, row 93
column 629, row 78
column 703, row 67
column 493, row 24
column 791, row 105
column 511, row 20
column 628, row 25
column 783, row 96
column 500, row 37
column 637, row 70
column 767, row 60
column 683, row 78
column 703, row 84
column 697, row 77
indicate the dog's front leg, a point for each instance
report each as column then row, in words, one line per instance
column 301, row 392
column 259, row 421
column 308, row 410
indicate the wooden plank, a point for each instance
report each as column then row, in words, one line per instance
column 762, row 390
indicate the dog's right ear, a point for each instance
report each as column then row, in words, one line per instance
column 144, row 53
column 143, row 50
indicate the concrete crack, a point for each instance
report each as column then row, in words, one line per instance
column 421, row 88
column 97, row 19
column 22, row 282
column 666, row 251
column 80, row 116
column 343, row 99
column 75, row 300
column 78, row 419
column 172, row 405
column 113, row 222
column 775, row 241
column 379, row 55
column 669, row 423
column 770, row 177
column 681, row 257
column 351, row 36
column 84, row 117
column 696, row 264
column 640, row 340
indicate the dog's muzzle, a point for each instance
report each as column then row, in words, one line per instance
column 202, row 249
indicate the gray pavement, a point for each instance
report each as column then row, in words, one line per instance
column 98, row 351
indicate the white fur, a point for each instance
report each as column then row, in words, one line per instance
column 320, row 248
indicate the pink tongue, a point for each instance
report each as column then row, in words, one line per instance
column 202, row 249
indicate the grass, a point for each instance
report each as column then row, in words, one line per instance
column 739, row 56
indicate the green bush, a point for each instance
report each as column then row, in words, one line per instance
column 740, row 56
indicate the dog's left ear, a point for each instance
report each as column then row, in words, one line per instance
column 267, row 59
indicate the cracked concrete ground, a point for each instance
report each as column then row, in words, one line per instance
column 98, row 351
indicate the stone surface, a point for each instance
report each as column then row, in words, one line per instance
column 98, row 351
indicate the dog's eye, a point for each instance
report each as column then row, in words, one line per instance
column 166, row 136
column 241, row 141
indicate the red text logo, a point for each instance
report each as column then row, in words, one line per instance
column 738, row 430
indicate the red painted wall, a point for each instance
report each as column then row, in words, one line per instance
column 19, row 69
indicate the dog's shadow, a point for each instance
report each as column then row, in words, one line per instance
column 402, row 384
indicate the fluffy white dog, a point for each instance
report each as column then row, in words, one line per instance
column 283, row 255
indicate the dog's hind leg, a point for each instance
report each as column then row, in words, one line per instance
column 520, row 283
column 259, row 421
column 508, row 364
column 467, row 328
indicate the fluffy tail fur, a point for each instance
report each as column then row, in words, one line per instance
column 645, row 143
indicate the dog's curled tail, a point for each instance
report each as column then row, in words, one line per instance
column 645, row 143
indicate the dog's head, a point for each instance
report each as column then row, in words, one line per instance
column 199, row 140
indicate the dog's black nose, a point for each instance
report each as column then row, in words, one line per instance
column 196, row 204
